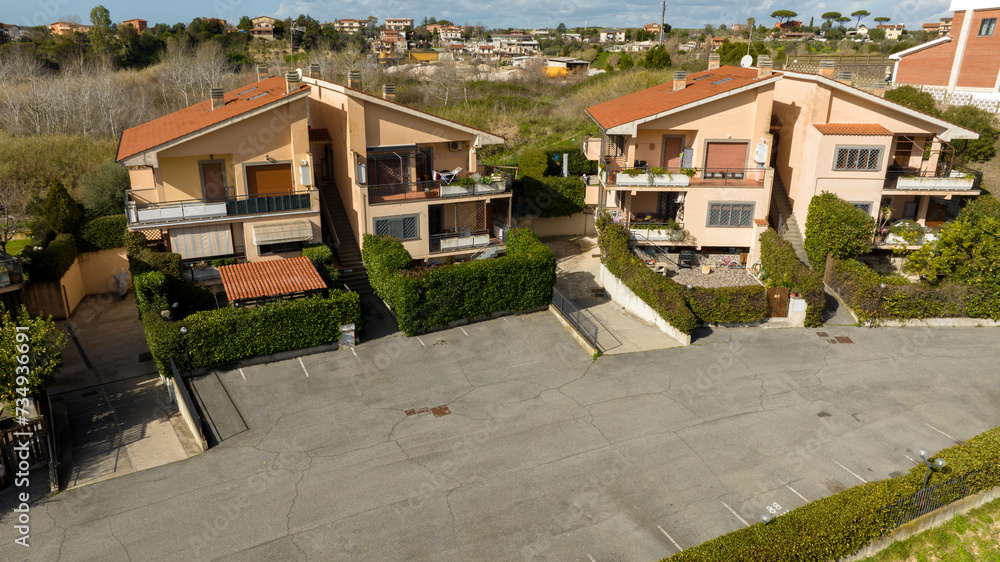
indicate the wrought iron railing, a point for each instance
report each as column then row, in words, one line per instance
column 920, row 503
column 572, row 312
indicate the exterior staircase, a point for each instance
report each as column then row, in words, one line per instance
column 352, row 269
column 789, row 227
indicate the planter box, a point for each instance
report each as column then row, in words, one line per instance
column 937, row 184
column 657, row 235
column 665, row 180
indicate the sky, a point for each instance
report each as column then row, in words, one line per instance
column 495, row 14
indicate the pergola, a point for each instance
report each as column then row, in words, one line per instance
column 254, row 283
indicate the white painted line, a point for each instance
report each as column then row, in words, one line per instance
column 679, row 549
column 421, row 342
column 303, row 367
column 942, row 433
column 796, row 493
column 591, row 558
column 849, row 470
column 467, row 333
column 242, row 375
column 911, row 458
column 356, row 355
column 736, row 514
column 504, row 318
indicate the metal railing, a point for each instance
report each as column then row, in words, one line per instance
column 174, row 211
column 571, row 312
column 657, row 231
column 922, row 502
column 10, row 270
column 642, row 176
column 964, row 179
column 419, row 190
column 457, row 241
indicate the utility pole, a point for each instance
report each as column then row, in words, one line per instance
column 663, row 18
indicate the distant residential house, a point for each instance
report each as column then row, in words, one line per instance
column 527, row 62
column 652, row 27
column 717, row 42
column 263, row 27
column 796, row 35
column 945, row 26
column 8, row 32
column 351, row 26
column 934, row 28
column 64, row 27
column 860, row 32
column 138, row 24
column 612, row 35
column 433, row 28
column 541, row 31
column 893, row 31
column 451, row 33
column 395, row 40
column 689, row 46
column 737, row 27
column 790, row 24
column 399, row 24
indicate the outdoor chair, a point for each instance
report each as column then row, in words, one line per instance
column 447, row 177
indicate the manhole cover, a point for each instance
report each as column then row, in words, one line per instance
column 440, row 411
column 823, row 334
column 844, row 339
column 416, row 411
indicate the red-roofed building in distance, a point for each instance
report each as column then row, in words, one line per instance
column 263, row 27
column 399, row 24
column 64, row 27
column 352, row 26
column 139, row 24
column 721, row 150
column 893, row 31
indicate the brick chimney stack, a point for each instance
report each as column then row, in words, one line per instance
column 680, row 80
column 293, row 80
column 713, row 61
column 314, row 71
column 217, row 99
column 765, row 66
column 389, row 92
column 826, row 68
column 354, row 79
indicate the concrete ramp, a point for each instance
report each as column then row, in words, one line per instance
column 220, row 416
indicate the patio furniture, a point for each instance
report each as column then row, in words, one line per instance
column 447, row 177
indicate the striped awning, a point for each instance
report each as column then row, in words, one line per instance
column 202, row 241
column 282, row 232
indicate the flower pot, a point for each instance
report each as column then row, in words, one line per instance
column 706, row 269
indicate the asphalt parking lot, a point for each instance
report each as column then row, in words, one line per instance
column 504, row 440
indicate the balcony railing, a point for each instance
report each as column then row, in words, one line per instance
column 456, row 241
column 419, row 190
column 688, row 177
column 139, row 213
column 932, row 180
column 657, row 232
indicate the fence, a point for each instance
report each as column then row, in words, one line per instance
column 31, row 447
column 983, row 100
column 571, row 312
column 908, row 508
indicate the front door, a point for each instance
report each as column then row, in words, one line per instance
column 673, row 148
column 213, row 179
column 666, row 206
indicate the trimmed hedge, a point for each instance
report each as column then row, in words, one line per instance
column 147, row 260
column 51, row 262
column 321, row 257
column 860, row 287
column 834, row 226
column 545, row 195
column 839, row 525
column 782, row 268
column 729, row 305
column 103, row 233
column 151, row 291
column 226, row 335
column 429, row 298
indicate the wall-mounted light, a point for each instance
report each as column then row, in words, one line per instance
column 211, row 157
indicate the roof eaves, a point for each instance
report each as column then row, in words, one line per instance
column 920, row 47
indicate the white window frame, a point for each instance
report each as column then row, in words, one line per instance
column 859, row 147
column 402, row 227
column 731, row 204
column 992, row 22
column 862, row 204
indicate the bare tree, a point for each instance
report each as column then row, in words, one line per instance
column 14, row 202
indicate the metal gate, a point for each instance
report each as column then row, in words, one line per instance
column 777, row 302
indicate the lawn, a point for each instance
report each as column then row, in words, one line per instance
column 15, row 247
column 973, row 536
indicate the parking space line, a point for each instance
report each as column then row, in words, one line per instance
column 911, row 458
column 356, row 355
column 242, row 375
column 463, row 331
column 942, row 433
column 849, row 470
column 679, row 549
column 736, row 514
column 504, row 318
column 421, row 342
column 591, row 558
column 303, row 367
column 796, row 493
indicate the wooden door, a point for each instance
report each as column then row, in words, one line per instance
column 672, row 149
column 273, row 179
column 213, row 180
column 936, row 214
column 777, row 302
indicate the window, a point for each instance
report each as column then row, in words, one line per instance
column 866, row 207
column 265, row 249
column 730, row 214
column 861, row 158
column 986, row 27
column 615, row 145
column 403, row 228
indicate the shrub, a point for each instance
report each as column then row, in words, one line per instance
column 729, row 305
column 426, row 299
column 148, row 260
column 103, row 233
column 554, row 197
column 913, row 98
column 102, row 190
column 782, row 268
column 53, row 261
column 661, row 293
column 838, row 525
column 834, row 226
column 60, row 211
column 322, row 258
column 532, row 163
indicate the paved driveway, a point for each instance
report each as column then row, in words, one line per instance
column 504, row 440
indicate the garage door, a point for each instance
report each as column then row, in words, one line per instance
column 725, row 158
column 271, row 179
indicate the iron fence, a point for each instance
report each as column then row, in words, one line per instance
column 571, row 312
column 924, row 501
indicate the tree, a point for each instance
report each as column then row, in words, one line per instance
column 980, row 121
column 876, row 34
column 881, row 20
column 833, row 35
column 41, row 344
column 966, row 250
column 625, row 62
column 834, row 226
column 15, row 201
column 842, row 20
column 561, row 28
column 811, row 21
column 860, row 14
column 102, row 191
column 656, row 58
column 102, row 33
column 246, row 24
column 830, row 17
column 60, row 212
column 730, row 53
column 785, row 15
column 913, row 98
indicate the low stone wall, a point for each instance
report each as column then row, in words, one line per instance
column 940, row 323
column 619, row 293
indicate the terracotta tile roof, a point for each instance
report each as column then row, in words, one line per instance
column 855, row 129
column 200, row 115
column 319, row 135
column 270, row 278
column 662, row 97
column 760, row 222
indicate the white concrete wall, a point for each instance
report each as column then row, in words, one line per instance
column 619, row 293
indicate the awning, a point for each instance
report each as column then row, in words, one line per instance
column 202, row 241
column 282, row 232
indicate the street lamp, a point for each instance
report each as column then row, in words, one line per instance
column 187, row 353
column 878, row 303
column 938, row 463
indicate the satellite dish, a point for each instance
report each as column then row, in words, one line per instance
column 746, row 61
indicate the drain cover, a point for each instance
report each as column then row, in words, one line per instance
column 833, row 340
column 440, row 411
column 844, row 339
column 823, row 334
column 417, row 411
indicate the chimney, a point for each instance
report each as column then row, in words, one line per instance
column 826, row 68
column 261, row 72
column 389, row 92
column 354, row 79
column 292, row 78
column 217, row 100
column 314, row 71
column 680, row 80
column 765, row 67
column 713, row 61
column 845, row 76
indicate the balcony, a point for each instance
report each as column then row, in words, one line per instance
column 457, row 241
column 657, row 232
column 907, row 234
column 141, row 213
column 684, row 177
column 421, row 190
column 911, row 179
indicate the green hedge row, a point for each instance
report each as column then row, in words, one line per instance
column 426, row 299
column 839, row 525
column 681, row 308
column 546, row 194
column 861, row 288
column 226, row 335
column 51, row 262
column 321, row 257
column 782, row 268
column 103, row 233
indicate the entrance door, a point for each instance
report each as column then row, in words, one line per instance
column 777, row 302
column 435, row 219
column 213, row 179
column 271, row 179
column 666, row 206
column 673, row 147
